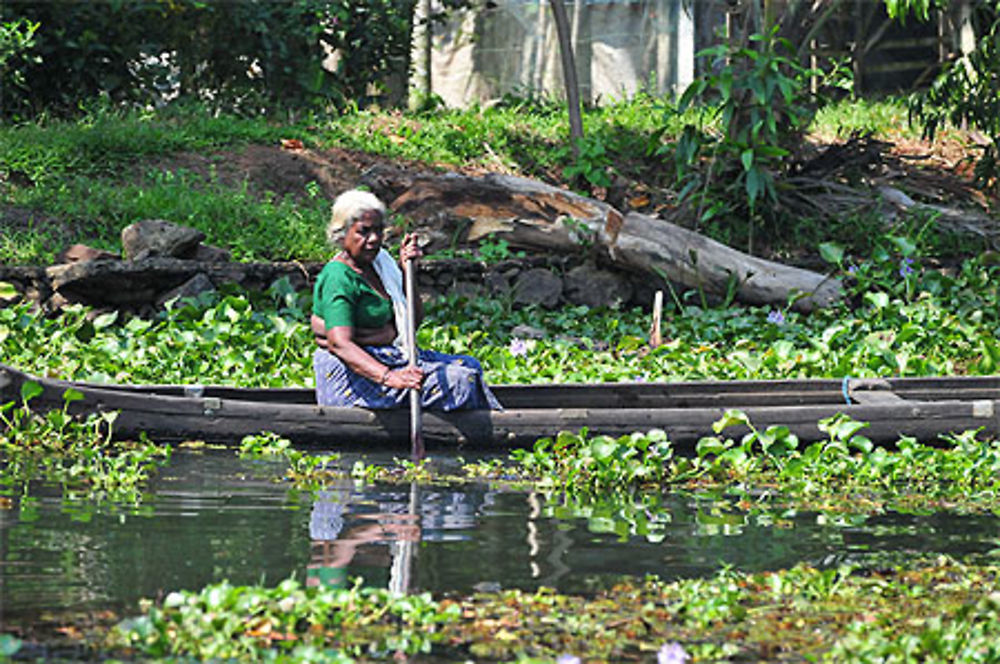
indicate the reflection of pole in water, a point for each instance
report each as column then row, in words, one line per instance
column 404, row 549
column 561, row 544
column 533, row 534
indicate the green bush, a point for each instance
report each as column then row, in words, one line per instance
column 250, row 57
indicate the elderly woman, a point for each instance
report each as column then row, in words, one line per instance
column 359, row 319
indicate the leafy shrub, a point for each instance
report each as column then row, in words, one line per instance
column 248, row 57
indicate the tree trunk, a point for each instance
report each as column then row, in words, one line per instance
column 569, row 72
column 537, row 216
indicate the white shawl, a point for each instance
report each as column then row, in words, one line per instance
column 392, row 278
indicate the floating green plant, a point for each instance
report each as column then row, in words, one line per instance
column 842, row 614
column 75, row 452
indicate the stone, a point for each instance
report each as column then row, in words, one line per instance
column 206, row 253
column 193, row 287
column 158, row 237
column 120, row 283
column 593, row 287
column 466, row 289
column 79, row 253
column 538, row 286
column 644, row 291
column 496, row 282
column 524, row 331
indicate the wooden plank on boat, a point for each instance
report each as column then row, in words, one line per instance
column 638, row 395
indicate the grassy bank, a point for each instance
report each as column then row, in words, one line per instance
column 83, row 181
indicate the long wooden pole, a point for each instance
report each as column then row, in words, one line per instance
column 416, row 428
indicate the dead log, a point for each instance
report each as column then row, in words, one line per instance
column 955, row 219
column 538, row 216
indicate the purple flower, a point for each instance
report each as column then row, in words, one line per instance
column 853, row 269
column 906, row 267
column 567, row 659
column 776, row 317
column 518, row 347
column 671, row 653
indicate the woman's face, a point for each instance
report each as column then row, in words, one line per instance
column 364, row 237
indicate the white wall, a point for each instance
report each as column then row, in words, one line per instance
column 620, row 48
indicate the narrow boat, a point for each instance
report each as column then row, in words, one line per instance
column 925, row 408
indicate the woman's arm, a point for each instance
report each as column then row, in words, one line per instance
column 318, row 330
column 340, row 341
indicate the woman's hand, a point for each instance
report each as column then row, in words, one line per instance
column 404, row 378
column 409, row 250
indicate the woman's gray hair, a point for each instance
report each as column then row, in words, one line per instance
column 349, row 207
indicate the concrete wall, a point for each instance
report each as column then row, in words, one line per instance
column 620, row 48
column 624, row 46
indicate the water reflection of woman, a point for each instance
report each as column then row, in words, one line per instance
column 375, row 535
column 367, row 547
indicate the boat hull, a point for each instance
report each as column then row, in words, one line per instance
column 925, row 408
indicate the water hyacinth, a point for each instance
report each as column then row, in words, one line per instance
column 672, row 653
column 518, row 347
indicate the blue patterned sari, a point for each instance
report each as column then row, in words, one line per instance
column 451, row 382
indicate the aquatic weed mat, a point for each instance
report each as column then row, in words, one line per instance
column 929, row 610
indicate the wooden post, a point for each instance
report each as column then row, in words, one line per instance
column 655, row 336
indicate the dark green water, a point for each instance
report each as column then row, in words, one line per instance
column 210, row 516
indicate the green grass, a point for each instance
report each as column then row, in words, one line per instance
column 105, row 142
column 884, row 118
column 252, row 227
column 24, row 246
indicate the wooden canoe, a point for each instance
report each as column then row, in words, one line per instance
column 925, row 408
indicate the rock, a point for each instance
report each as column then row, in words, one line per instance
column 120, row 283
column 80, row 253
column 157, row 237
column 466, row 289
column 523, row 331
column 538, row 286
column 588, row 285
column 209, row 254
column 497, row 282
column 193, row 287
column 136, row 285
column 644, row 291
column 30, row 282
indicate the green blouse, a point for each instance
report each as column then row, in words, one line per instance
column 343, row 299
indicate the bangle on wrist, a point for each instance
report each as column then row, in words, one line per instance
column 385, row 376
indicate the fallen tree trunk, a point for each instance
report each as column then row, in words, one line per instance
column 538, row 216
column 963, row 221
